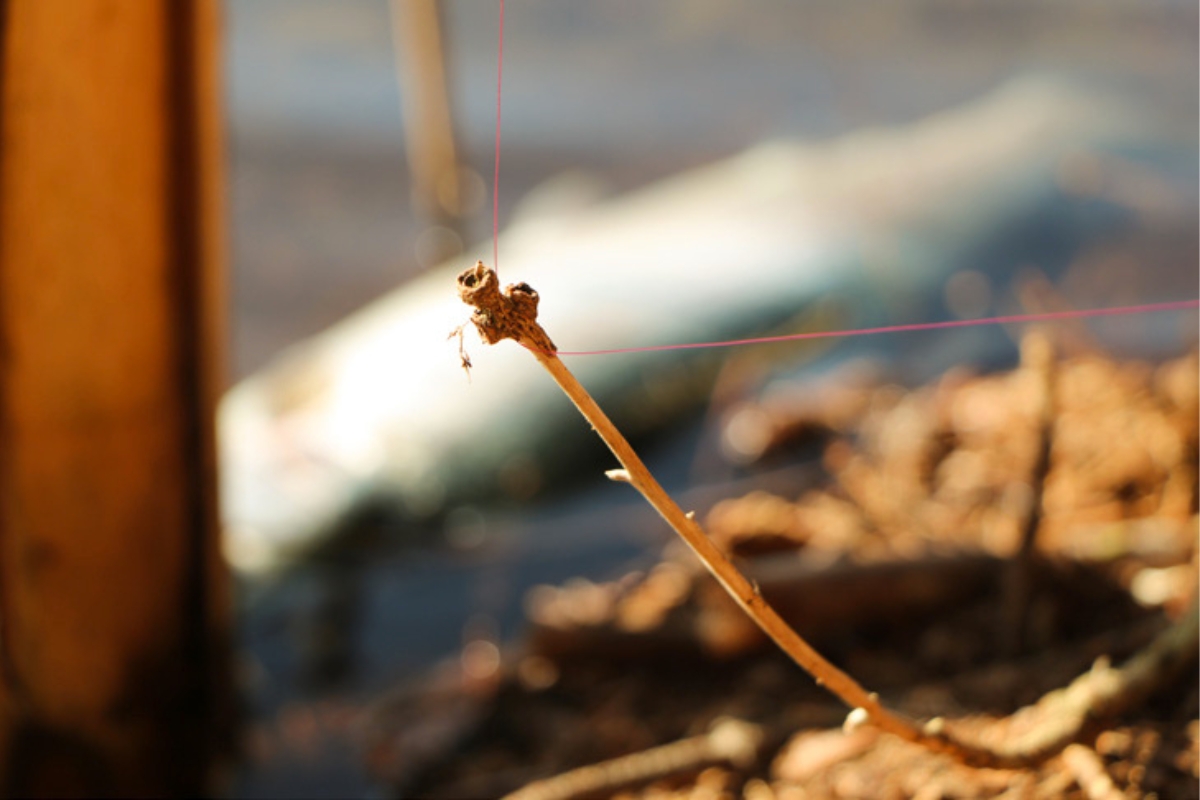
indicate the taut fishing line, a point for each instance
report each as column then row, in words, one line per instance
column 1012, row 319
column 496, row 168
column 1177, row 305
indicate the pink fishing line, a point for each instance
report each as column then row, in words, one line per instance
column 496, row 171
column 1176, row 305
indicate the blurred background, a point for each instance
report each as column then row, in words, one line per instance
column 682, row 171
column 600, row 100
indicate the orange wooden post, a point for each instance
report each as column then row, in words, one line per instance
column 113, row 620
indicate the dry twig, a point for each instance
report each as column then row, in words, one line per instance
column 1090, row 774
column 1060, row 717
column 1037, row 360
column 513, row 315
column 729, row 741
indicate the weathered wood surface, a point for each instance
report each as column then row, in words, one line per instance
column 111, row 592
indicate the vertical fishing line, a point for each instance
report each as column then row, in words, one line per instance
column 496, row 169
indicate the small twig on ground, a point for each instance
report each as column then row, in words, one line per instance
column 1060, row 717
column 513, row 315
column 729, row 741
column 1037, row 359
column 1090, row 774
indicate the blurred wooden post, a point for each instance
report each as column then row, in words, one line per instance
column 113, row 626
column 425, row 98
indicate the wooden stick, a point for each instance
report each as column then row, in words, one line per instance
column 513, row 315
column 742, row 590
column 729, row 741
column 417, row 45
column 1037, row 360
column 1090, row 774
column 1103, row 691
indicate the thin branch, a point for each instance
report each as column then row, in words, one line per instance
column 1038, row 362
column 1090, row 774
column 735, row 583
column 513, row 315
column 729, row 741
column 1061, row 715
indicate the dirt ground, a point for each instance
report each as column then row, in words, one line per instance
column 980, row 544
